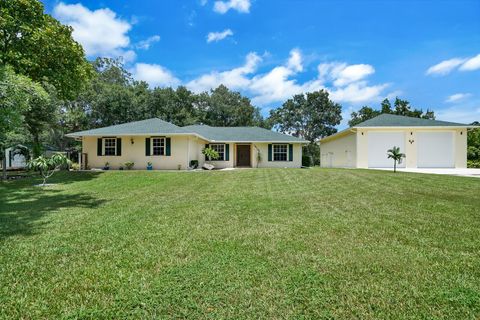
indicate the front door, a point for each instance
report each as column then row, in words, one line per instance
column 243, row 155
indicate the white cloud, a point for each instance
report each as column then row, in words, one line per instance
column 217, row 36
column 457, row 97
column 358, row 92
column 295, row 60
column 235, row 78
column 471, row 64
column 145, row 44
column 155, row 75
column 349, row 83
column 463, row 114
column 222, row 7
column 445, row 66
column 100, row 32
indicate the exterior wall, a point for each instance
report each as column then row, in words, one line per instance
column 341, row 151
column 264, row 163
column 136, row 152
column 460, row 145
column 183, row 150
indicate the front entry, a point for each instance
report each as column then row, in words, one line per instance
column 243, row 155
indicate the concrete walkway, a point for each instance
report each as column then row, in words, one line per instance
column 466, row 172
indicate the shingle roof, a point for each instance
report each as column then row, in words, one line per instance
column 157, row 126
column 149, row 126
column 241, row 134
column 391, row 120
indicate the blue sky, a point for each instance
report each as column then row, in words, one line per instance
column 427, row 52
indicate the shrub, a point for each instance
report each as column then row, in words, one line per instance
column 210, row 154
column 75, row 166
column 129, row 165
column 473, row 163
column 194, row 164
column 306, row 160
column 48, row 166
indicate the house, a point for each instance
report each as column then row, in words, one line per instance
column 14, row 160
column 425, row 143
column 168, row 146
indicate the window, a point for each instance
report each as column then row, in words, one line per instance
column 110, row 146
column 220, row 148
column 280, row 152
column 158, row 146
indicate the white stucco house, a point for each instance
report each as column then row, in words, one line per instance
column 426, row 144
column 167, row 146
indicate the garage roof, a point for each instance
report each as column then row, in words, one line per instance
column 392, row 120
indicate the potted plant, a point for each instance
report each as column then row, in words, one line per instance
column 121, row 167
column 106, row 166
column 149, row 166
column 210, row 155
column 193, row 164
column 129, row 165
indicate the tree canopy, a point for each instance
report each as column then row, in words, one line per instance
column 40, row 47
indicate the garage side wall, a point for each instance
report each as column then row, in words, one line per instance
column 339, row 153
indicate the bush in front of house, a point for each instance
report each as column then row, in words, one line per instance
column 473, row 164
column 129, row 165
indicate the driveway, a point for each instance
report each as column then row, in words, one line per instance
column 466, row 172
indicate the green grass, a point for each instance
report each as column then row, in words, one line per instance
column 266, row 243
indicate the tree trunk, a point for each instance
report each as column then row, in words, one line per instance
column 394, row 166
column 4, row 165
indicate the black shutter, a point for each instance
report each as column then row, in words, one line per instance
column 290, row 152
column 99, row 146
column 269, row 152
column 147, row 146
column 119, row 146
column 167, row 149
column 227, row 152
column 206, row 146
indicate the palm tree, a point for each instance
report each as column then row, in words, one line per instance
column 396, row 155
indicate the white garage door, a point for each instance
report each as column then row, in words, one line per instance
column 379, row 143
column 435, row 150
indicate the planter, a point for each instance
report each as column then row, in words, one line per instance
column 149, row 168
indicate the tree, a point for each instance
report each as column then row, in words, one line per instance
column 175, row 106
column 310, row 116
column 396, row 155
column 40, row 47
column 362, row 115
column 18, row 96
column 473, row 143
column 224, row 108
column 210, row 154
column 48, row 166
column 401, row 107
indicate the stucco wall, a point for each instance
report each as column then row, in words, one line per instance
column 411, row 134
column 339, row 153
column 183, row 149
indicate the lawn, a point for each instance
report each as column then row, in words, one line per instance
column 266, row 243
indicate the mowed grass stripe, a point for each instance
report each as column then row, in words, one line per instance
column 266, row 243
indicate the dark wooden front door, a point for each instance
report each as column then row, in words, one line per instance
column 243, row 155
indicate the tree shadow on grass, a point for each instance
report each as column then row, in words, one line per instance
column 23, row 207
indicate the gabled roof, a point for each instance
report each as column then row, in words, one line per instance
column 149, row 126
column 392, row 120
column 241, row 134
column 157, row 126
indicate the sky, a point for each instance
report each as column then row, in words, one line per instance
column 427, row 52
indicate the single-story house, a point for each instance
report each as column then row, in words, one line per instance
column 168, row 146
column 425, row 143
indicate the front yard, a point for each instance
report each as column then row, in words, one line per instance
column 264, row 243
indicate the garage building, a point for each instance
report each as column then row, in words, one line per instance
column 426, row 144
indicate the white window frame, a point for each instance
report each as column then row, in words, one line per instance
column 220, row 153
column 161, row 147
column 277, row 152
column 104, row 146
